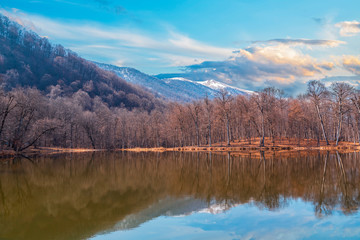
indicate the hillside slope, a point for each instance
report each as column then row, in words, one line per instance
column 27, row 60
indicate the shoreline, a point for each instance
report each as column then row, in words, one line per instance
column 237, row 148
column 245, row 146
column 46, row 151
column 244, row 149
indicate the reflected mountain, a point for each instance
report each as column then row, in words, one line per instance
column 80, row 195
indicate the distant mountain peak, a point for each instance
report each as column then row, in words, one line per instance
column 216, row 85
column 173, row 87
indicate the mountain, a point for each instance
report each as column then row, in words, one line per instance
column 171, row 207
column 164, row 207
column 28, row 60
column 174, row 87
column 219, row 85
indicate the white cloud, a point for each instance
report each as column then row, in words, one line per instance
column 303, row 42
column 178, row 48
column 278, row 63
column 352, row 64
column 179, row 60
column 188, row 44
column 348, row 28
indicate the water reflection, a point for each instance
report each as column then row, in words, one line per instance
column 77, row 196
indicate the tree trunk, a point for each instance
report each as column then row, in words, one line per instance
column 322, row 124
column 338, row 133
column 197, row 134
column 227, row 130
column 71, row 135
column 35, row 139
column 88, row 131
column 262, row 140
column 209, row 127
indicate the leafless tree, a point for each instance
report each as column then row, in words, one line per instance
column 209, row 109
column 264, row 101
column 317, row 93
column 341, row 92
column 223, row 99
column 195, row 109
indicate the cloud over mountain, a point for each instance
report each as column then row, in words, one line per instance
column 282, row 64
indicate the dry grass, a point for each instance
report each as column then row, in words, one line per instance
column 245, row 146
column 242, row 147
column 46, row 150
column 77, row 150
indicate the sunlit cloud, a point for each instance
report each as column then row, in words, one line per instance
column 306, row 42
column 352, row 64
column 348, row 28
column 279, row 63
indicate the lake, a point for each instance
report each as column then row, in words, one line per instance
column 173, row 195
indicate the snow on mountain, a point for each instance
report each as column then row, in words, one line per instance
column 219, row 85
column 213, row 86
column 174, row 88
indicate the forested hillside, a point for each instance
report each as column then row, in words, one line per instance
column 27, row 60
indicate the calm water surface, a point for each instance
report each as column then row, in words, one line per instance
column 181, row 196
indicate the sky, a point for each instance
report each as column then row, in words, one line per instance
column 246, row 43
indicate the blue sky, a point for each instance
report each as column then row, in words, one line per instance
column 246, row 43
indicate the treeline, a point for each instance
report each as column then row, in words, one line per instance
column 28, row 60
column 28, row 118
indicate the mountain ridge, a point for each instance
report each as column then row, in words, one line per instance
column 28, row 60
column 175, row 88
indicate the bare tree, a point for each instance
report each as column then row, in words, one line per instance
column 356, row 103
column 39, row 128
column 342, row 93
column 7, row 104
column 264, row 101
column 317, row 93
column 88, row 122
column 223, row 99
column 195, row 109
column 209, row 109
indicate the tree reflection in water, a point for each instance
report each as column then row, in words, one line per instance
column 77, row 195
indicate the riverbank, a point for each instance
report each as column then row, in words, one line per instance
column 46, row 151
column 243, row 147
column 246, row 146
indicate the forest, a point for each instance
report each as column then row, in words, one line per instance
column 30, row 118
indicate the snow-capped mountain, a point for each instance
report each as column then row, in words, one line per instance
column 219, row 85
column 173, row 88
